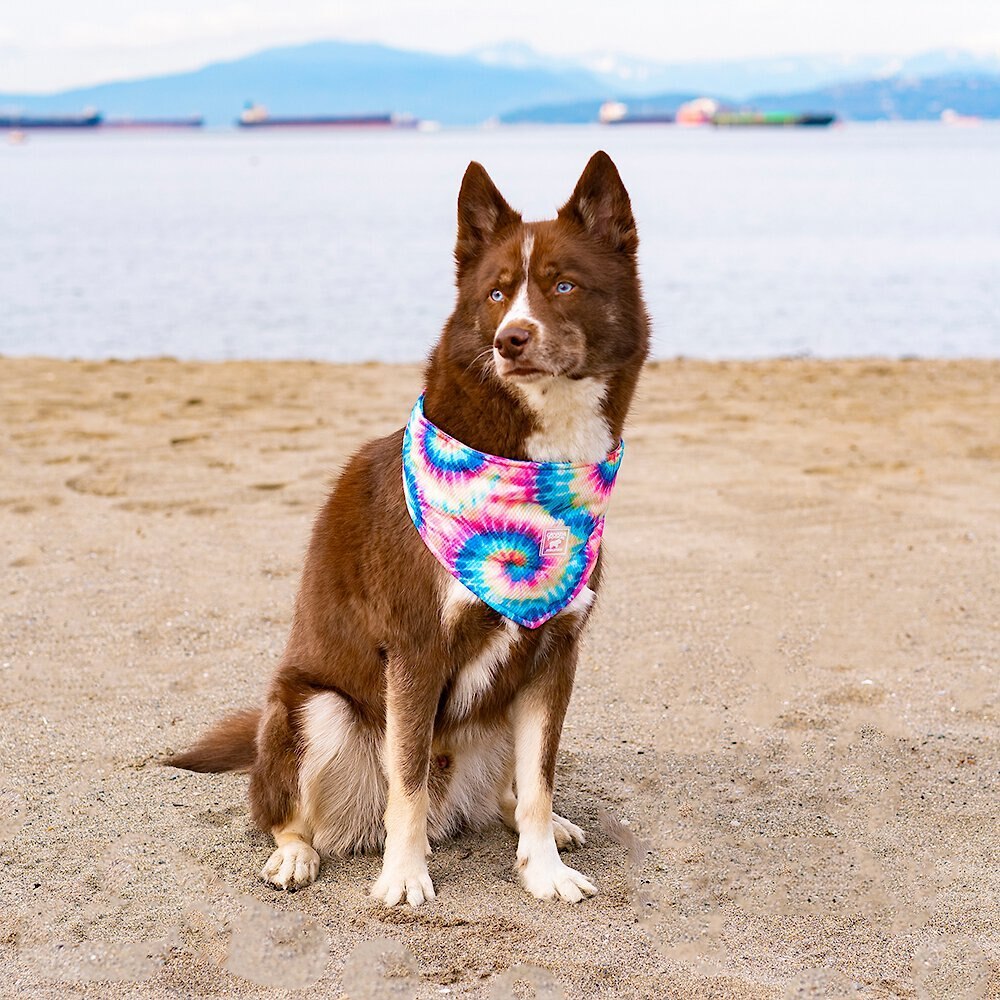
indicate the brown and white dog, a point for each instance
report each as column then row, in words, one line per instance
column 405, row 709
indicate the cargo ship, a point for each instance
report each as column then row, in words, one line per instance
column 706, row 111
column 772, row 118
column 700, row 111
column 257, row 116
column 187, row 121
column 616, row 113
column 19, row 122
column 951, row 117
column 661, row 119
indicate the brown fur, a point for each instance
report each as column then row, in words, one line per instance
column 230, row 745
column 368, row 617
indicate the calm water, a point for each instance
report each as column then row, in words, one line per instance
column 852, row 241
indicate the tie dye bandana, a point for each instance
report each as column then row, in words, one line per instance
column 522, row 536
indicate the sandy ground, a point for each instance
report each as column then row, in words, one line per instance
column 783, row 741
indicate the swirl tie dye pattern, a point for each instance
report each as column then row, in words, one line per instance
column 522, row 536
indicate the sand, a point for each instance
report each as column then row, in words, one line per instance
column 783, row 742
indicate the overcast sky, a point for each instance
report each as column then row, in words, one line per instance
column 52, row 44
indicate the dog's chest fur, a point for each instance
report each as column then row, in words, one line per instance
column 571, row 427
column 570, row 418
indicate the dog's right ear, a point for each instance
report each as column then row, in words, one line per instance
column 482, row 213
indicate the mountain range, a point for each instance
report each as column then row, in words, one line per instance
column 742, row 78
column 512, row 82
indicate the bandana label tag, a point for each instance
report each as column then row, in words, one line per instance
column 555, row 541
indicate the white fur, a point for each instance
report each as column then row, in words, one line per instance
column 545, row 876
column 292, row 864
column 476, row 676
column 328, row 726
column 404, row 872
column 572, row 424
column 580, row 604
column 567, row 833
column 542, row 871
column 481, row 759
column 341, row 785
column 455, row 598
column 519, row 312
column 294, row 861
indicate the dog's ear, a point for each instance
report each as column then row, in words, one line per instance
column 482, row 213
column 600, row 204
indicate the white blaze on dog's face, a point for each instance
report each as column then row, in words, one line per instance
column 554, row 298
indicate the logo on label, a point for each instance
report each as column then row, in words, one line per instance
column 555, row 541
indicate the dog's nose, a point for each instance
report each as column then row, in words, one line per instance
column 511, row 341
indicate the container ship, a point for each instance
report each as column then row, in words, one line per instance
column 257, row 116
column 706, row 111
column 773, row 118
column 19, row 122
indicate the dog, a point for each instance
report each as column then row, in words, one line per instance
column 406, row 708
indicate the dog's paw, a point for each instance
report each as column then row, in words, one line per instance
column 567, row 834
column 548, row 880
column 404, row 882
column 291, row 866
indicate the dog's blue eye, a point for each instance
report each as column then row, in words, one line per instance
column 496, row 295
column 565, row 286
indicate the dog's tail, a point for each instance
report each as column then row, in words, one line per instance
column 230, row 745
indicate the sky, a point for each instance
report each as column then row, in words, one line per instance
column 48, row 45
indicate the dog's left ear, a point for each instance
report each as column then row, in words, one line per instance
column 600, row 204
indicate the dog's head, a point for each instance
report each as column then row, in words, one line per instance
column 553, row 298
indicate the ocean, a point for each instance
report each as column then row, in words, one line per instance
column 858, row 240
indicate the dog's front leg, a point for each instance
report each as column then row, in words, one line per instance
column 538, row 714
column 409, row 724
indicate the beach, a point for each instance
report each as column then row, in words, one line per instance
column 782, row 744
